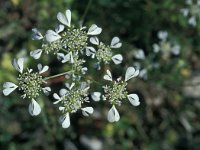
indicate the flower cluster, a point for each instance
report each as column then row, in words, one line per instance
column 72, row 45
column 192, row 11
column 29, row 83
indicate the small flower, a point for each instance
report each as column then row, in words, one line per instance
column 139, row 54
column 29, row 83
column 94, row 30
column 52, row 36
column 104, row 52
column 65, row 19
column 71, row 100
column 117, row 92
column 162, row 35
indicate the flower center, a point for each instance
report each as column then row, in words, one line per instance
column 52, row 47
column 30, row 83
column 75, row 39
column 116, row 92
column 73, row 100
column 104, row 53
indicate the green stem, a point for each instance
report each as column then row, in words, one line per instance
column 86, row 11
column 57, row 75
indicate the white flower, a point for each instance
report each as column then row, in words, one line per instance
column 65, row 120
column 115, row 43
column 192, row 21
column 36, row 34
column 113, row 115
column 46, row 90
column 87, row 110
column 134, row 99
column 8, row 88
column 117, row 59
column 94, row 30
column 130, row 73
column 57, row 97
column 36, row 53
column 156, row 48
column 108, row 76
column 65, row 19
column 139, row 54
column 96, row 96
column 34, row 108
column 52, row 36
column 162, row 35
column 185, row 12
column 18, row 64
column 176, row 49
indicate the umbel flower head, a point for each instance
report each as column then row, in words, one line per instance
column 71, row 100
column 192, row 11
column 29, row 83
column 116, row 92
column 104, row 52
column 65, row 37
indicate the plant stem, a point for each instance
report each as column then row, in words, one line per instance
column 86, row 11
column 57, row 75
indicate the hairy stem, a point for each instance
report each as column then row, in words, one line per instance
column 57, row 75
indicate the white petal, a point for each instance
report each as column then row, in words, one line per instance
column 115, row 43
column 59, row 28
column 55, row 95
column 130, row 73
column 90, row 51
column 52, row 36
column 117, row 59
column 192, row 21
column 162, row 35
column 42, row 70
column 156, row 48
column 8, row 88
column 66, row 20
column 61, row 108
column 62, row 92
column 36, row 53
column 68, row 15
column 94, row 40
column 18, row 64
column 87, row 110
column 36, row 34
column 134, row 99
column 34, row 108
column 108, row 76
column 139, row 54
column 94, row 30
column 65, row 120
column 113, row 115
column 96, row 96
column 46, row 90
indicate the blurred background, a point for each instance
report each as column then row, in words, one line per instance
column 169, row 86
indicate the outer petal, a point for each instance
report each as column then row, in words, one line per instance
column 68, row 15
column 65, row 120
column 18, row 64
column 117, row 59
column 94, row 30
column 130, row 73
column 87, row 110
column 8, row 88
column 59, row 28
column 113, row 115
column 36, row 34
column 36, row 53
column 96, row 96
column 115, row 43
column 90, row 51
column 94, row 40
column 46, row 90
column 139, row 54
column 108, row 76
column 42, row 69
column 52, row 36
column 34, row 108
column 134, row 99
column 62, row 18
